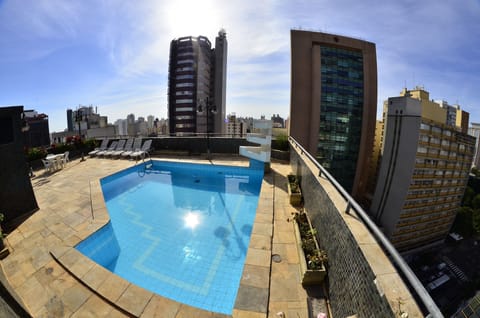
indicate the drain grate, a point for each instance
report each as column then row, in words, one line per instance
column 276, row 258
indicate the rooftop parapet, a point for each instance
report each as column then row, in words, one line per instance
column 367, row 277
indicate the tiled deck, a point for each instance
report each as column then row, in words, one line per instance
column 52, row 279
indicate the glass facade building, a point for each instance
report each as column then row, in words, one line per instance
column 333, row 105
column 340, row 112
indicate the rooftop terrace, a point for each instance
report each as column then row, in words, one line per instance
column 51, row 279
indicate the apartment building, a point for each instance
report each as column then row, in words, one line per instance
column 423, row 172
column 197, row 85
column 474, row 130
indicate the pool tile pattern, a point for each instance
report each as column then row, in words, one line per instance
column 52, row 279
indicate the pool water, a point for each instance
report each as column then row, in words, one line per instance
column 179, row 230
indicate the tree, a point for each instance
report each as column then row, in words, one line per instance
column 476, row 202
column 468, row 197
column 476, row 220
column 463, row 222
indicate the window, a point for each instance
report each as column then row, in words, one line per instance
column 183, row 69
column 184, row 85
column 184, row 93
column 422, row 149
column 184, row 125
column 189, row 61
column 184, row 109
column 184, row 117
column 179, row 77
column 184, row 101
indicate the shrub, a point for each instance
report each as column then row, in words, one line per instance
column 294, row 185
column 36, row 153
column 61, row 148
column 91, row 143
column 280, row 143
column 315, row 257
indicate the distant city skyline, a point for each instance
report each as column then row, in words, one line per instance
column 57, row 55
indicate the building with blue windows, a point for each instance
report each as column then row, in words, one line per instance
column 333, row 103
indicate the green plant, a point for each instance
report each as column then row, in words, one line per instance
column 91, row 143
column 280, row 143
column 2, row 217
column 61, row 148
column 35, row 154
column 315, row 257
column 400, row 312
column 294, row 184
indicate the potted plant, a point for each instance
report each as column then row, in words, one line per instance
column 312, row 258
column 4, row 251
column 294, row 191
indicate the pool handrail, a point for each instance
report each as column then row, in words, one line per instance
column 422, row 293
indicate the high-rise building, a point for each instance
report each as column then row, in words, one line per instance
column 70, row 120
column 235, row 127
column 278, row 122
column 423, row 172
column 121, row 125
column 38, row 133
column 197, row 85
column 474, row 130
column 83, row 118
column 334, row 103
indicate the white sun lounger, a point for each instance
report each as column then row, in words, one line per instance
column 120, row 145
column 145, row 149
column 112, row 147
column 102, row 147
column 137, row 144
column 128, row 147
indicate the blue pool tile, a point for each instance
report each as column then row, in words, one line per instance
column 182, row 230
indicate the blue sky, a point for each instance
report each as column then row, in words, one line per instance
column 56, row 55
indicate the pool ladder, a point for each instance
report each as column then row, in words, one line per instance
column 147, row 164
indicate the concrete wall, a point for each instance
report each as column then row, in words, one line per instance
column 198, row 145
column 361, row 279
column 402, row 129
column 17, row 199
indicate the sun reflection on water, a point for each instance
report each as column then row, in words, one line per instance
column 191, row 220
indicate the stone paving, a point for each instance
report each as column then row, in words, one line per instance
column 51, row 279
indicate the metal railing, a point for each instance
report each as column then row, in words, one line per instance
column 422, row 293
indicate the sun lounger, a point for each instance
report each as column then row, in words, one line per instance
column 128, row 147
column 137, row 144
column 102, row 147
column 120, row 145
column 112, row 147
column 145, row 149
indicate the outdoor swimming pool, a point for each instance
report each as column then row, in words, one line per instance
column 179, row 230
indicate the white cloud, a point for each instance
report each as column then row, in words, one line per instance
column 428, row 42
